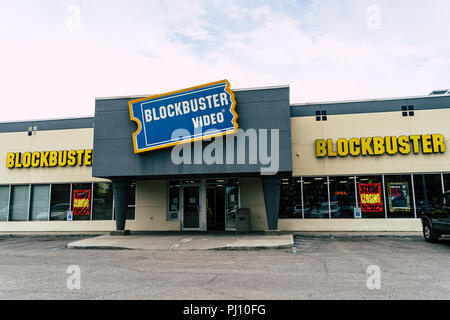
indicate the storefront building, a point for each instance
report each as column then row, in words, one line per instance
column 370, row 165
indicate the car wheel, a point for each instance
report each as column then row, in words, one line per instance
column 429, row 234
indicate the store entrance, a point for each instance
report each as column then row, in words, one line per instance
column 215, row 207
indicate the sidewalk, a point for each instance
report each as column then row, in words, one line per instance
column 185, row 241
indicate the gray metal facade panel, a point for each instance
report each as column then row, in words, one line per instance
column 57, row 124
column 114, row 155
column 420, row 103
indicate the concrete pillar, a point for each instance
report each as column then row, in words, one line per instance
column 271, row 188
column 120, row 189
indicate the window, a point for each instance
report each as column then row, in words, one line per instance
column 81, row 201
column 103, row 201
column 427, row 189
column 321, row 115
column 315, row 197
column 342, row 197
column 174, row 200
column 18, row 208
column 40, row 196
column 291, row 198
column 60, row 201
column 447, row 181
column 398, row 190
column 370, row 196
column 4, row 199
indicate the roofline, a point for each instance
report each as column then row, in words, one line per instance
column 48, row 119
column 149, row 95
column 369, row 100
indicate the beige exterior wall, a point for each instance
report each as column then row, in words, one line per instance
column 50, row 140
column 349, row 225
column 151, row 207
column 305, row 130
column 252, row 197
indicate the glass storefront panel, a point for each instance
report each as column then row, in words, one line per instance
column 342, row 197
column 427, row 189
column 232, row 203
column 315, row 197
column 174, row 200
column 18, row 208
column 399, row 199
column 370, row 196
column 81, row 201
column 4, row 198
column 39, row 207
column 291, row 198
column 447, row 181
column 103, row 201
column 60, row 201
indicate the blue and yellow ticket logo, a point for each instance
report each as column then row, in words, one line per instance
column 199, row 112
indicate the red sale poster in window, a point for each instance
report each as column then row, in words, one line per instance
column 81, row 202
column 370, row 197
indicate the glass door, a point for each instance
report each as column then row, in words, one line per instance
column 231, row 204
column 191, row 207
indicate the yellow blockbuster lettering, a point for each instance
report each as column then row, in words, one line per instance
column 404, row 147
column 26, row 160
column 415, row 140
column 378, row 146
column 35, row 156
column 331, row 153
column 366, row 148
column 426, row 143
column 342, row 147
column 71, row 159
column 88, row 157
column 438, row 143
column 18, row 164
column 354, row 147
column 62, row 158
column 53, row 159
column 391, row 145
column 80, row 157
column 321, row 148
column 10, row 160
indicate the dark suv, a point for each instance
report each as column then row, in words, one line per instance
column 436, row 218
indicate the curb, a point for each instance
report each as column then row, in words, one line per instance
column 12, row 235
column 283, row 246
column 98, row 248
column 362, row 236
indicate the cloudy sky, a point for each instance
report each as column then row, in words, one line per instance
column 57, row 56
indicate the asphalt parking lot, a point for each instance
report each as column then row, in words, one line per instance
column 321, row 268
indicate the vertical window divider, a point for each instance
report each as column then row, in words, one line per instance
column 92, row 199
column 9, row 203
column 70, row 203
column 329, row 204
column 29, row 202
column 413, row 195
column 384, row 197
column 49, row 202
column 301, row 194
column 442, row 182
column 356, row 192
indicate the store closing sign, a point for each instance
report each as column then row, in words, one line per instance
column 81, row 202
column 370, row 197
column 201, row 112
